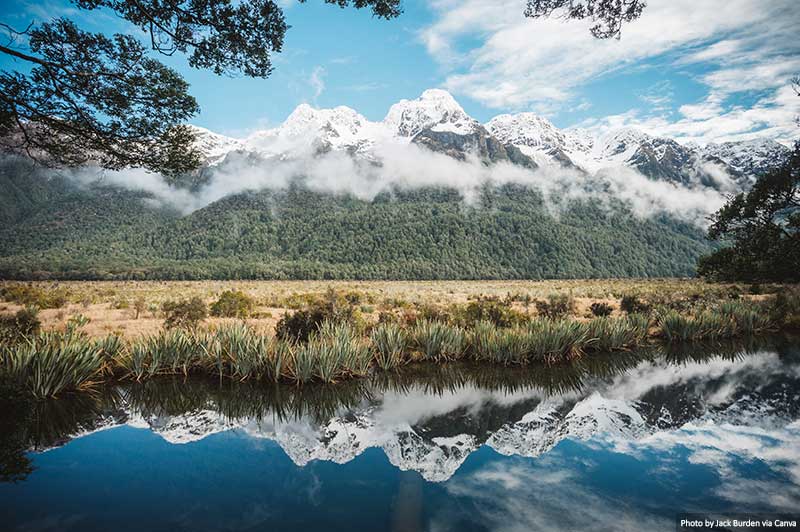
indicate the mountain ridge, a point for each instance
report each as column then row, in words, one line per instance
column 437, row 121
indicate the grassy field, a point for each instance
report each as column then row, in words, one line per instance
column 61, row 337
column 109, row 305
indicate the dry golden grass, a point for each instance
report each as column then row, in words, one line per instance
column 100, row 301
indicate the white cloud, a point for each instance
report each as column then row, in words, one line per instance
column 773, row 116
column 317, row 81
column 493, row 54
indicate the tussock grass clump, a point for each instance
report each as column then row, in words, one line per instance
column 237, row 351
column 390, row 343
column 501, row 346
column 54, row 363
column 610, row 334
column 748, row 317
column 730, row 319
column 439, row 341
column 170, row 352
column 336, row 352
column 554, row 341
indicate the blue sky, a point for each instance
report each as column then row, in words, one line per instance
column 698, row 71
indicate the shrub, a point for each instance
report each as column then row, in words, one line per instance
column 631, row 304
column 184, row 314
column 490, row 309
column 139, row 305
column 30, row 295
column 301, row 324
column 25, row 323
column 600, row 309
column 556, row 306
column 233, row 304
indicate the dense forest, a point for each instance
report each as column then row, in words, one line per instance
column 52, row 228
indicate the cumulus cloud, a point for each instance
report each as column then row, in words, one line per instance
column 493, row 54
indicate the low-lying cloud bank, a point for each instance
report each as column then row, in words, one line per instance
column 407, row 166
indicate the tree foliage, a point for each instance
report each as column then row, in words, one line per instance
column 431, row 233
column 89, row 97
column 762, row 227
column 608, row 15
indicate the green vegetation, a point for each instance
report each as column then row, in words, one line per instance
column 633, row 305
column 233, row 304
column 390, row 342
column 184, row 314
column 601, row 309
column 29, row 295
column 50, row 364
column 761, row 228
column 438, row 341
column 24, row 323
column 506, row 233
column 333, row 307
column 556, row 306
column 343, row 346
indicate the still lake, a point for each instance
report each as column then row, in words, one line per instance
column 617, row 442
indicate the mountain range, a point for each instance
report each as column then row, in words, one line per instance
column 436, row 121
column 427, row 193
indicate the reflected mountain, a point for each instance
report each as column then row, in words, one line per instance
column 430, row 419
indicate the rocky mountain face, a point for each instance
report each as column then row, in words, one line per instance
column 437, row 122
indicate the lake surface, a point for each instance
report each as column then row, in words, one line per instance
column 622, row 442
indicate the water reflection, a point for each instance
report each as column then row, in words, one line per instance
column 637, row 435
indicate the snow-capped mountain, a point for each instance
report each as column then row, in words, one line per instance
column 435, row 109
column 214, row 146
column 437, row 122
column 749, row 158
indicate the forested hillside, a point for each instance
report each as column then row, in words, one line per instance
column 52, row 228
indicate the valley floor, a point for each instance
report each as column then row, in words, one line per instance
column 109, row 305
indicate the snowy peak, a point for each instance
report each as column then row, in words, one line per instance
column 341, row 128
column 436, row 122
column 213, row 145
column 435, row 109
column 338, row 122
column 536, row 137
column 526, row 129
column 620, row 144
column 751, row 157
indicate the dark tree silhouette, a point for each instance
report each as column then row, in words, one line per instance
column 81, row 96
column 763, row 228
column 609, row 15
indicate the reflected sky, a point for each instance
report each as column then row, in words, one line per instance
column 623, row 442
